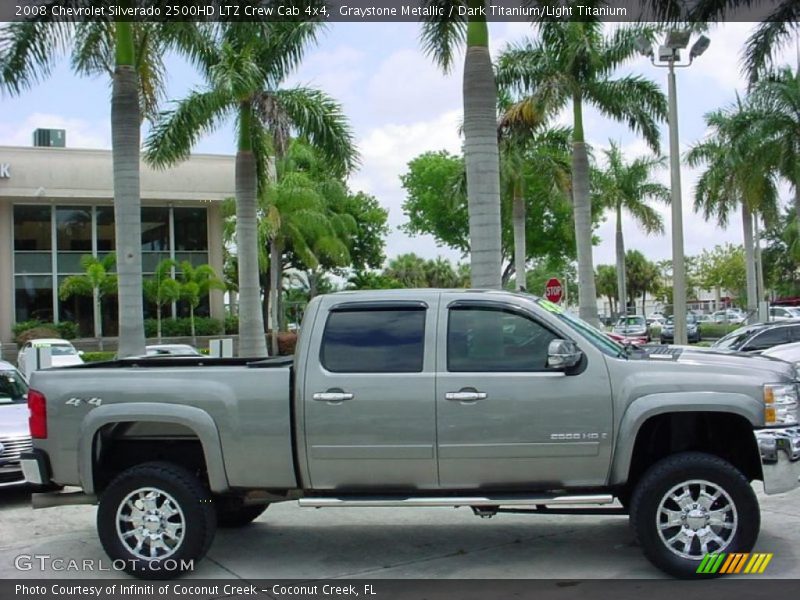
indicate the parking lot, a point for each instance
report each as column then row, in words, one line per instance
column 293, row 543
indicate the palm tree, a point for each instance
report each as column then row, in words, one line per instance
column 195, row 283
column 97, row 281
column 162, row 289
column 774, row 104
column 627, row 186
column 606, row 284
column 409, row 270
column 440, row 39
column 740, row 173
column 131, row 54
column 244, row 66
column 530, row 150
column 572, row 62
column 297, row 216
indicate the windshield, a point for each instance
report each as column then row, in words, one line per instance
column 628, row 321
column 734, row 339
column 596, row 338
column 61, row 350
column 12, row 387
column 690, row 318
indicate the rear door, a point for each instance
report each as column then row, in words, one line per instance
column 504, row 420
column 369, row 405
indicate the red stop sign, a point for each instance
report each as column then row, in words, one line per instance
column 553, row 290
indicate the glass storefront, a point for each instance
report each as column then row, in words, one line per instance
column 49, row 242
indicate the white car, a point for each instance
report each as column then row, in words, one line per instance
column 728, row 316
column 62, row 353
column 783, row 313
column 788, row 352
column 14, row 435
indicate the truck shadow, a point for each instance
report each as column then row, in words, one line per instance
column 15, row 496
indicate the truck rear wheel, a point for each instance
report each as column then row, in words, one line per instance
column 155, row 520
column 692, row 504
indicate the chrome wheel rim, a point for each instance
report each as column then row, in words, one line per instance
column 695, row 518
column 150, row 524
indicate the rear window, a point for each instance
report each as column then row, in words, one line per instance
column 374, row 341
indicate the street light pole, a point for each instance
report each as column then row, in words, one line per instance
column 678, row 263
column 669, row 55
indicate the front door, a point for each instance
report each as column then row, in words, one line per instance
column 369, row 397
column 506, row 422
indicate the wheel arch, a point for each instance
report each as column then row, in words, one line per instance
column 730, row 407
column 193, row 419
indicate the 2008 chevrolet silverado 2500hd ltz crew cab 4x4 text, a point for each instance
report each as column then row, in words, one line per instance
column 404, row 398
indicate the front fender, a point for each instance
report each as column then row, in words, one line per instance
column 199, row 421
column 645, row 407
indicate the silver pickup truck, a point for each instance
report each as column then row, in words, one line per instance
column 405, row 398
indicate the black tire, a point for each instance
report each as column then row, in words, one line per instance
column 683, row 468
column 231, row 512
column 184, row 491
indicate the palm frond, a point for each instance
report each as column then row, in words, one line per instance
column 441, row 38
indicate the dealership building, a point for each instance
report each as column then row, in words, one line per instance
column 56, row 205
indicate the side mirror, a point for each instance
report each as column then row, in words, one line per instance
column 563, row 354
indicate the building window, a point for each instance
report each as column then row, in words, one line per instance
column 32, row 228
column 106, row 235
column 33, row 296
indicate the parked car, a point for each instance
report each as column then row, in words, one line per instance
column 729, row 316
column 656, row 319
column 172, row 350
column 490, row 400
column 692, row 330
column 784, row 313
column 632, row 340
column 788, row 352
column 632, row 327
column 62, row 353
column 759, row 337
column 14, row 435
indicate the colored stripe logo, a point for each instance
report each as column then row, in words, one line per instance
column 734, row 563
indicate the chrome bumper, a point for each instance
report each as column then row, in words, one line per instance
column 35, row 467
column 780, row 458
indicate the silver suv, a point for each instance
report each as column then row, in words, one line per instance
column 14, row 435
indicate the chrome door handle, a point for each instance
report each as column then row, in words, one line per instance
column 332, row 396
column 466, row 396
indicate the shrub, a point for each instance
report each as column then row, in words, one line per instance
column 204, row 326
column 713, row 331
column 98, row 356
column 35, row 333
column 67, row 330
column 232, row 324
column 287, row 341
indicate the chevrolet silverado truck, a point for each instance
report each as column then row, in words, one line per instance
column 496, row 401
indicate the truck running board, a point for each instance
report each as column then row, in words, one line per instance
column 428, row 501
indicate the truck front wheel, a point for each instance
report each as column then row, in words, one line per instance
column 692, row 504
column 155, row 520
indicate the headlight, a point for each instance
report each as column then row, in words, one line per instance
column 780, row 404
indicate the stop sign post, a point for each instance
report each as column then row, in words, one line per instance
column 553, row 290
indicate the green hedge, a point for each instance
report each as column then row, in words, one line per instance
column 716, row 330
column 232, row 324
column 67, row 330
column 183, row 327
column 98, row 356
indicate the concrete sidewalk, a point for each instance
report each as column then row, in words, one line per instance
column 288, row 542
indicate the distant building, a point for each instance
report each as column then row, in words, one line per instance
column 56, row 205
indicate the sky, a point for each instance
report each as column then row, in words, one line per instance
column 400, row 105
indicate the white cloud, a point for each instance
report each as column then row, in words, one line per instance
column 80, row 133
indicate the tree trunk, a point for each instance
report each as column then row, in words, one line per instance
column 760, row 291
column 644, row 302
column 275, row 286
column 158, row 321
column 481, row 155
column 582, row 208
column 622, row 291
column 750, row 262
column 518, row 216
column 252, row 342
column 717, row 298
column 797, row 198
column 127, row 201
column 191, row 322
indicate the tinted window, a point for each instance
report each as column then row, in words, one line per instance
column 794, row 333
column 492, row 340
column 374, row 341
column 767, row 339
column 12, row 387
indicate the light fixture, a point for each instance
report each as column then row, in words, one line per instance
column 643, row 46
column 700, row 46
column 678, row 39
